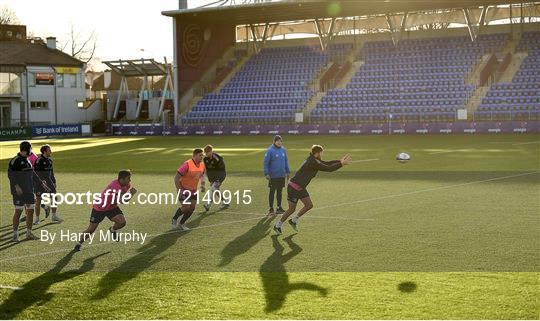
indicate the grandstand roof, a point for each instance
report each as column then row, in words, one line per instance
column 290, row 10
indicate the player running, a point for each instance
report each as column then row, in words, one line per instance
column 296, row 190
column 215, row 171
column 187, row 179
column 21, row 181
column 44, row 169
column 108, row 207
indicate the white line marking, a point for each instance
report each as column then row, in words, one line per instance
column 365, row 160
column 318, row 208
column 443, row 152
column 525, row 143
column 304, row 217
column 14, row 288
column 425, row 190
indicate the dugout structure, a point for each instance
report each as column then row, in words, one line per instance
column 143, row 69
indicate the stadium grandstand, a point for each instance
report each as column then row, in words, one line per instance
column 321, row 62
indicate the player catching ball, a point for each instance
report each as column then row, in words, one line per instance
column 296, row 190
column 108, row 207
column 187, row 179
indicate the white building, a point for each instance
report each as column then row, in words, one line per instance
column 40, row 84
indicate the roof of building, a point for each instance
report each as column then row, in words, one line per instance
column 292, row 10
column 21, row 53
column 134, row 83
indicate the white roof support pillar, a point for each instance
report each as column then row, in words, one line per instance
column 167, row 87
column 325, row 37
column 141, row 97
column 123, row 84
column 473, row 29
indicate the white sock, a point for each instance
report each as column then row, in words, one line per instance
column 16, row 233
column 295, row 218
column 36, row 219
column 279, row 223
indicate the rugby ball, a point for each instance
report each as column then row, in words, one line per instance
column 403, row 157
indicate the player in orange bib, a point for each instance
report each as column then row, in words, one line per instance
column 187, row 179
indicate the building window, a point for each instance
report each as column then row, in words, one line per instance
column 39, row 105
column 71, row 80
column 18, row 35
column 60, row 80
column 31, row 79
column 10, row 84
column 9, row 34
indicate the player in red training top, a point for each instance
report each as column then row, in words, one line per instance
column 108, row 207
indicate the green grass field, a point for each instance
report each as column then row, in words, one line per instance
column 453, row 234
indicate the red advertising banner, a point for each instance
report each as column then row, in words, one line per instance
column 44, row 79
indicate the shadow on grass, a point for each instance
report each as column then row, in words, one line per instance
column 275, row 279
column 7, row 235
column 407, row 287
column 245, row 242
column 148, row 255
column 35, row 290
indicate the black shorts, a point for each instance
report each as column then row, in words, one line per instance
column 98, row 216
column 276, row 182
column 216, row 176
column 187, row 197
column 24, row 199
column 294, row 195
column 40, row 190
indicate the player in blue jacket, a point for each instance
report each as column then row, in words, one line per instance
column 276, row 171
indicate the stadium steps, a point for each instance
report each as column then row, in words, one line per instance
column 197, row 98
column 233, row 72
column 356, row 65
column 512, row 69
column 88, row 103
column 353, row 57
column 476, row 99
column 192, row 103
column 312, row 103
column 315, row 83
column 474, row 76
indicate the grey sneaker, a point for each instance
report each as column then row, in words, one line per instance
column 224, row 206
column 184, row 227
column 277, row 230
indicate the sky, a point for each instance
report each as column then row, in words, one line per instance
column 125, row 29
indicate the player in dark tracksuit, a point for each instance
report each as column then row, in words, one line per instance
column 45, row 171
column 296, row 190
column 21, row 181
column 216, row 173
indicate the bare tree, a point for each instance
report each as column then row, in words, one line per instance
column 8, row 16
column 80, row 46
